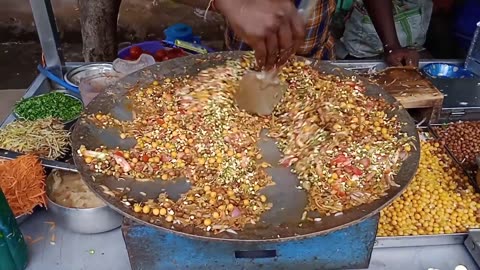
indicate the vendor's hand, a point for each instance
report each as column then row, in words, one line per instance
column 402, row 57
column 273, row 28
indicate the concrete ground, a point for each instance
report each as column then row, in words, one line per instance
column 18, row 62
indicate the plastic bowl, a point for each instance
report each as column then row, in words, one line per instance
column 148, row 46
column 449, row 71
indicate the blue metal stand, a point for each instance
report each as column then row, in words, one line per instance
column 349, row 248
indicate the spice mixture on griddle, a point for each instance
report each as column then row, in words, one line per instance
column 342, row 145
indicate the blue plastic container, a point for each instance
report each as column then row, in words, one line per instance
column 182, row 32
column 448, row 71
column 147, row 46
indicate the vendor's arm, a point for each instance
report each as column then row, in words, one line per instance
column 203, row 4
column 272, row 28
column 381, row 13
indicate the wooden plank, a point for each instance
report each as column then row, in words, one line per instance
column 411, row 88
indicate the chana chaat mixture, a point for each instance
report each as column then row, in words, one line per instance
column 342, row 145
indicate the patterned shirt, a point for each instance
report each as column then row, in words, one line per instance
column 318, row 44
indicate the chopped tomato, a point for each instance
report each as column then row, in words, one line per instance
column 135, row 52
column 160, row 121
column 145, row 158
column 356, row 171
column 338, row 190
column 339, row 159
column 119, row 153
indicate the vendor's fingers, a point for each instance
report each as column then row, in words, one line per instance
column 272, row 51
column 412, row 59
column 394, row 61
column 286, row 43
column 260, row 53
column 297, row 25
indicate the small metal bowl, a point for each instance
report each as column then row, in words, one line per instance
column 75, row 75
column 446, row 71
column 83, row 220
column 67, row 123
column 22, row 218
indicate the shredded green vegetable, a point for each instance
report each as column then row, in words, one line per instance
column 55, row 104
column 44, row 137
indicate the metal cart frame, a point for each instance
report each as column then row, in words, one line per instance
column 440, row 251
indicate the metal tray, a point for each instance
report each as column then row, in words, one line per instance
column 471, row 175
column 269, row 229
column 424, row 240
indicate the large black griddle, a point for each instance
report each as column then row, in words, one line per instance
column 283, row 221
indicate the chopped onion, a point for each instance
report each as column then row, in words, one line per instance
column 236, row 212
column 231, row 231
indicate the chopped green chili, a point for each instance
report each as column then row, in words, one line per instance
column 55, row 104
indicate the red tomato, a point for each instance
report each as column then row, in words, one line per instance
column 339, row 159
column 178, row 52
column 338, row 190
column 145, row 158
column 160, row 121
column 160, row 53
column 175, row 52
column 135, row 52
column 354, row 170
column 119, row 153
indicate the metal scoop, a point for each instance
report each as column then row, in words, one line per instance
column 260, row 92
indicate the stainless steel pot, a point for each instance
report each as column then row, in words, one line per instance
column 75, row 76
column 83, row 220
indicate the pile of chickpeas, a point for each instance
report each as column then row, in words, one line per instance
column 438, row 201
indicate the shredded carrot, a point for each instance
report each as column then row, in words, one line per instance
column 36, row 240
column 22, row 180
column 52, row 225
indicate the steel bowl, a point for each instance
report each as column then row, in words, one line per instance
column 83, row 220
column 22, row 218
column 68, row 123
column 75, row 75
column 447, row 71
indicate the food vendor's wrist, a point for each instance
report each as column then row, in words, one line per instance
column 219, row 5
column 389, row 47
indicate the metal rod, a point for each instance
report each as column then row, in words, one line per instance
column 53, row 164
column 48, row 34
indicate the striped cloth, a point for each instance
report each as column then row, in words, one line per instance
column 318, row 44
